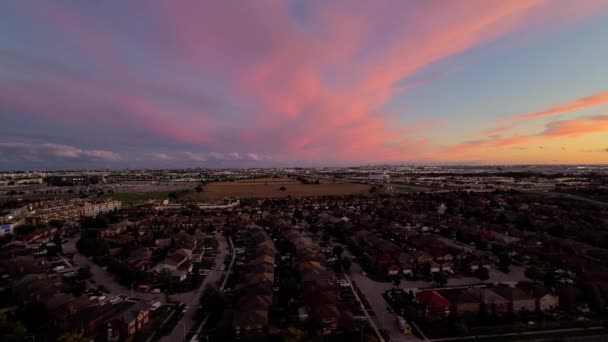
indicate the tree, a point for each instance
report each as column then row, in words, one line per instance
column 396, row 280
column 326, row 237
column 56, row 223
column 25, row 228
column 292, row 334
column 504, row 262
column 84, row 272
column 594, row 296
column 71, row 337
column 11, row 331
column 212, row 300
column 196, row 277
column 58, row 243
column 346, row 264
column 166, row 278
column 482, row 273
column 337, row 251
column 535, row 273
column 35, row 315
column 440, row 278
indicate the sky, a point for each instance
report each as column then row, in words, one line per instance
column 191, row 83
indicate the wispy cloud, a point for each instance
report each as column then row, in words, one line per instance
column 553, row 130
column 579, row 103
column 206, row 156
column 576, row 127
column 49, row 151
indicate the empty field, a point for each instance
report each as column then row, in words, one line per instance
column 271, row 187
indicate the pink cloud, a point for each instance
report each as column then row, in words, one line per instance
column 311, row 90
column 579, row 103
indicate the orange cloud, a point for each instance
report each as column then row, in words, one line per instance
column 583, row 102
column 496, row 130
column 565, row 128
column 497, row 142
column 577, row 127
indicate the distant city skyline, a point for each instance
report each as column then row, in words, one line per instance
column 114, row 84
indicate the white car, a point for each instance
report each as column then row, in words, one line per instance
column 185, row 309
column 156, row 291
column 344, row 283
column 155, row 306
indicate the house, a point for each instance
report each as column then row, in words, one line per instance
column 140, row 258
column 491, row 302
column 447, row 266
column 476, row 264
column 434, row 303
column 545, row 299
column 421, row 257
column 116, row 229
column 434, row 267
column 518, row 299
column 93, row 318
column 250, row 320
column 460, row 301
column 393, row 270
column 126, row 323
column 407, row 269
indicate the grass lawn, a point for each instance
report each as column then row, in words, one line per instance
column 134, row 197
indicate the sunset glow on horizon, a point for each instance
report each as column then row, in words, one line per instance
column 302, row 83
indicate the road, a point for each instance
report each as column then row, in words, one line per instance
column 186, row 323
column 200, row 327
column 191, row 298
column 536, row 332
column 102, row 277
column 371, row 322
column 373, row 293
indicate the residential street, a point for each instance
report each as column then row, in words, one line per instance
column 373, row 291
column 101, row 277
column 192, row 298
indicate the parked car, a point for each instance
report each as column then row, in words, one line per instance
column 156, row 291
column 185, row 309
